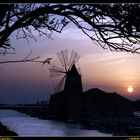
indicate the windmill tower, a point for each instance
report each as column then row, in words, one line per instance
column 68, row 101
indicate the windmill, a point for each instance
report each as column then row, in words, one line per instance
column 63, row 67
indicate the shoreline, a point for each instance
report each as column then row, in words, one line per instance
column 116, row 126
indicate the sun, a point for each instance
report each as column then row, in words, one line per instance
column 130, row 89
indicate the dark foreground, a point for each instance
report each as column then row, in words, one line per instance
column 4, row 131
column 118, row 127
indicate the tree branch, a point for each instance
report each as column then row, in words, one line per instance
column 105, row 22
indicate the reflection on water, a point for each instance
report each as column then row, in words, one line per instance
column 24, row 125
column 137, row 113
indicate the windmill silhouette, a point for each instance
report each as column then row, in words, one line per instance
column 67, row 69
column 68, row 103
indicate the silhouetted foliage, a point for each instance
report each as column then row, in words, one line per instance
column 102, row 23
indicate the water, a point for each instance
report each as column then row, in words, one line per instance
column 137, row 113
column 24, row 125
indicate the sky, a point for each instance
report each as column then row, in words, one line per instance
column 30, row 82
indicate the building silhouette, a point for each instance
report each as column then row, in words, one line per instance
column 73, row 103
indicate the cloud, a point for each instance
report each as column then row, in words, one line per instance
column 107, row 57
column 117, row 62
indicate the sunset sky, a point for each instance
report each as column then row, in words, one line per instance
column 29, row 82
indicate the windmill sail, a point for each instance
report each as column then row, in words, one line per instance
column 59, row 85
column 73, row 58
column 56, row 71
column 63, row 57
column 63, row 66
